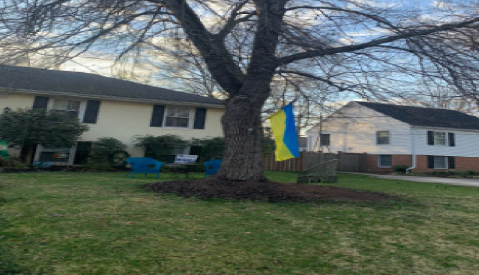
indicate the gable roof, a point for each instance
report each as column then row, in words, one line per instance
column 430, row 117
column 91, row 85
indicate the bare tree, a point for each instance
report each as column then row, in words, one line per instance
column 373, row 49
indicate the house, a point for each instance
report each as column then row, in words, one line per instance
column 111, row 107
column 424, row 139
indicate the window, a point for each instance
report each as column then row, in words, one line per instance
column 72, row 107
column 382, row 137
column 177, row 117
column 325, row 140
column 385, row 161
column 440, row 163
column 441, row 138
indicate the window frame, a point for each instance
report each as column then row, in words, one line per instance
column 435, row 138
column 81, row 109
column 380, row 161
column 322, row 141
column 446, row 162
column 191, row 114
column 388, row 137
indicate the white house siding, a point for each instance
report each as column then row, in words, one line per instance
column 123, row 120
column 15, row 101
column 353, row 129
column 466, row 143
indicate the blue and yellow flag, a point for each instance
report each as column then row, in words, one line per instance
column 284, row 133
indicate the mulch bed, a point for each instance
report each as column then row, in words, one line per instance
column 262, row 191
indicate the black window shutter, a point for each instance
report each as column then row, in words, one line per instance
column 41, row 102
column 200, row 118
column 157, row 116
column 430, row 137
column 91, row 112
column 430, row 162
column 451, row 163
column 452, row 141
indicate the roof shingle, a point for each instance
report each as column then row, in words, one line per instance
column 84, row 84
column 419, row 116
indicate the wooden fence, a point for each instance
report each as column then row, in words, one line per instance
column 348, row 162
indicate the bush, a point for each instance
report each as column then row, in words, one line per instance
column 465, row 174
column 443, row 173
column 162, row 147
column 400, row 168
column 14, row 161
column 3, row 161
column 109, row 150
column 470, row 173
column 20, row 166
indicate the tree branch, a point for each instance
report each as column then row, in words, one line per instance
column 217, row 57
column 375, row 42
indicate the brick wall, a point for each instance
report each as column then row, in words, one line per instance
column 372, row 163
column 461, row 163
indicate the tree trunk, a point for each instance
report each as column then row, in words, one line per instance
column 29, row 154
column 243, row 156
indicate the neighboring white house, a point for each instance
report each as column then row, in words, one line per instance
column 111, row 107
column 425, row 139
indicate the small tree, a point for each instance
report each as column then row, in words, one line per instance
column 27, row 128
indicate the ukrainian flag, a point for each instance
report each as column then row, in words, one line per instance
column 284, row 133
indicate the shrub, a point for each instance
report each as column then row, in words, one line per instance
column 109, row 150
column 20, row 166
column 162, row 147
column 465, row 174
column 442, row 173
column 14, row 161
column 3, row 161
column 400, row 168
column 470, row 173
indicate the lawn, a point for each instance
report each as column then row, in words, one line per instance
column 102, row 223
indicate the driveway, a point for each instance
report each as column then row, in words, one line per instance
column 451, row 181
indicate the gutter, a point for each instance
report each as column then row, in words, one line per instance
column 413, row 153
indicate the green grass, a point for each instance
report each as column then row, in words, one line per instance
column 102, row 223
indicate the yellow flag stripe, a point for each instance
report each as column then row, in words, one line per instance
column 278, row 126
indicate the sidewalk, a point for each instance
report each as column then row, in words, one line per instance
column 451, row 181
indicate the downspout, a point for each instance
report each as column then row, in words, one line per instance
column 413, row 152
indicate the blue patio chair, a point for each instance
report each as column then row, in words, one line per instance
column 145, row 166
column 212, row 166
